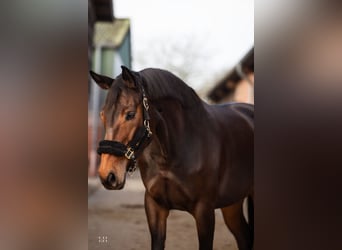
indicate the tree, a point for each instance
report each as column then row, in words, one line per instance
column 185, row 57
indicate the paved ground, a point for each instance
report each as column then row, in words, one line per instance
column 116, row 220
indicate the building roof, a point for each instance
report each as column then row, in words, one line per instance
column 111, row 34
column 103, row 10
column 226, row 85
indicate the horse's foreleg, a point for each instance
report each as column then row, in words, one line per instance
column 156, row 217
column 234, row 219
column 205, row 222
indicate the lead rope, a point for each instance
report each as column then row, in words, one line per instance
column 132, row 169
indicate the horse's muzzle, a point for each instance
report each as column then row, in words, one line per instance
column 111, row 182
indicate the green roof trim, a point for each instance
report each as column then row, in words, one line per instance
column 111, row 34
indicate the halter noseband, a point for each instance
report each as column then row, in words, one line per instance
column 130, row 150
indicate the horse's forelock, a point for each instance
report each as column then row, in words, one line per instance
column 113, row 95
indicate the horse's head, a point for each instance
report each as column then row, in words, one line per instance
column 126, row 126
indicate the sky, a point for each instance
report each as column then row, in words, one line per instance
column 221, row 31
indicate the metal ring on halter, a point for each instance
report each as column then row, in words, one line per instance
column 145, row 103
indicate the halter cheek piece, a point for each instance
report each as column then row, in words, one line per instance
column 130, row 151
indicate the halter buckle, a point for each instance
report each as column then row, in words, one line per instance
column 129, row 153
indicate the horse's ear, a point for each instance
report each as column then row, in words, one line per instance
column 128, row 77
column 103, row 81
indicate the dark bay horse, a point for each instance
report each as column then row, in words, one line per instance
column 192, row 156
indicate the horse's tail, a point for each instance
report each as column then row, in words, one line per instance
column 250, row 209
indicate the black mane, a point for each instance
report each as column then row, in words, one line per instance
column 160, row 84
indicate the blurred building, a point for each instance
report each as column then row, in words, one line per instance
column 238, row 84
column 98, row 10
column 109, row 47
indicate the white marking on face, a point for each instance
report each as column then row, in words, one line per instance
column 109, row 134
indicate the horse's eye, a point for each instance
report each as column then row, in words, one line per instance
column 130, row 116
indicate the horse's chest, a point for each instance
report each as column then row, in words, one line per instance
column 168, row 191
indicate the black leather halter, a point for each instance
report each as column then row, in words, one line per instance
column 130, row 151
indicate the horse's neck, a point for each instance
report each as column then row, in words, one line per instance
column 176, row 129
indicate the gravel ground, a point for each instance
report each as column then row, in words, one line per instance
column 116, row 220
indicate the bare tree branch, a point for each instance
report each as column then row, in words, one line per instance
column 187, row 57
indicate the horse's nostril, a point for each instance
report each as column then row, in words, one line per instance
column 111, row 179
